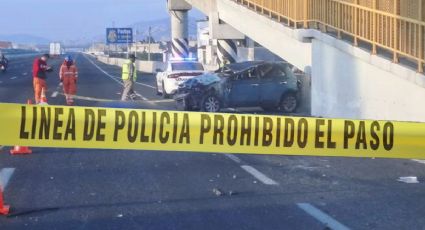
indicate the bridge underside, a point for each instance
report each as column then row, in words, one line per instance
column 346, row 81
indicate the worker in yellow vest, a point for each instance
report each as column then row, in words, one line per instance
column 224, row 62
column 129, row 76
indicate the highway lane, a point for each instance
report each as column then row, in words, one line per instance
column 109, row 189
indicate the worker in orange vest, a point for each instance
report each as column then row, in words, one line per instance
column 68, row 75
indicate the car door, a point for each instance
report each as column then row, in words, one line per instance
column 245, row 89
column 273, row 82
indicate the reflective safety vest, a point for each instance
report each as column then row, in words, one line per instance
column 72, row 71
column 223, row 63
column 126, row 71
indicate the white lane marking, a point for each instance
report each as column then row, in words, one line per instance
column 419, row 161
column 12, row 78
column 90, row 98
column 103, row 71
column 408, row 179
column 259, row 175
column 141, row 96
column 112, row 77
column 253, row 171
column 162, row 101
column 149, row 86
column 5, row 175
column 233, row 158
column 55, row 94
column 322, row 217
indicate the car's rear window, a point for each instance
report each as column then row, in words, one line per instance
column 186, row 66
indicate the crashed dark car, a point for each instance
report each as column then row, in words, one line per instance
column 269, row 85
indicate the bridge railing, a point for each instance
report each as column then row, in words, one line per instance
column 397, row 26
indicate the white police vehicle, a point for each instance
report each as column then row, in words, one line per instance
column 176, row 72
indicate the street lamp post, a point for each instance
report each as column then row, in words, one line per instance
column 149, row 48
column 135, row 43
column 128, row 47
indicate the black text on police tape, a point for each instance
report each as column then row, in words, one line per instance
column 263, row 131
column 47, row 123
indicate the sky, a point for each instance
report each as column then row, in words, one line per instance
column 77, row 19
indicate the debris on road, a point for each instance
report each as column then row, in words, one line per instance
column 232, row 193
column 218, row 192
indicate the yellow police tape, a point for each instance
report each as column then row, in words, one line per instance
column 107, row 128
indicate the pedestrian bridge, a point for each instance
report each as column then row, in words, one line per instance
column 365, row 57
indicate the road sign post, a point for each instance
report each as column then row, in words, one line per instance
column 119, row 36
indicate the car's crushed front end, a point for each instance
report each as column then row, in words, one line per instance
column 190, row 93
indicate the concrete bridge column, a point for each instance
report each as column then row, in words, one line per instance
column 226, row 37
column 227, row 50
column 179, row 27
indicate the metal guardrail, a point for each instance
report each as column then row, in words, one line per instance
column 397, row 26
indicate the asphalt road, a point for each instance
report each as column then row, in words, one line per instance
column 103, row 189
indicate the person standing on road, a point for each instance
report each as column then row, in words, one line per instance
column 39, row 71
column 3, row 59
column 3, row 62
column 68, row 75
column 129, row 76
column 224, row 62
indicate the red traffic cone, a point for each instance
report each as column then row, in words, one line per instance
column 43, row 98
column 4, row 209
column 19, row 150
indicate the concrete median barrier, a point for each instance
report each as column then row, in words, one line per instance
column 142, row 66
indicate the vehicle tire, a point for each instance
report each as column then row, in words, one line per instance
column 211, row 103
column 157, row 89
column 288, row 103
column 164, row 93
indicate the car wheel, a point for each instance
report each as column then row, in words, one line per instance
column 211, row 104
column 165, row 95
column 288, row 103
column 157, row 89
